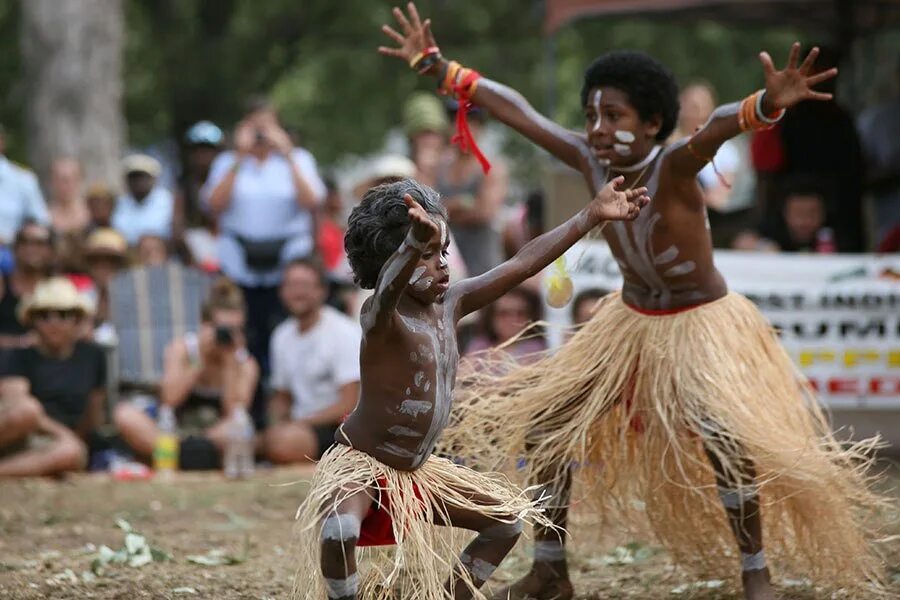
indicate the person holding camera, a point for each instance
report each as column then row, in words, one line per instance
column 264, row 194
column 207, row 375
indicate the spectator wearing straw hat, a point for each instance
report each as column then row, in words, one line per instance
column 426, row 125
column 106, row 254
column 34, row 258
column 52, row 394
column 146, row 208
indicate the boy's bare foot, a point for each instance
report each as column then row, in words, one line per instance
column 757, row 585
column 536, row 586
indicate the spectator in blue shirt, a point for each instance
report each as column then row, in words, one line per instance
column 146, row 208
column 264, row 194
column 20, row 197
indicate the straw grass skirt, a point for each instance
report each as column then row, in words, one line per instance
column 425, row 554
column 634, row 400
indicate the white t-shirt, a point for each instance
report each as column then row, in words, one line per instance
column 313, row 365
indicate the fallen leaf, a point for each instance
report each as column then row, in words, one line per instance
column 184, row 590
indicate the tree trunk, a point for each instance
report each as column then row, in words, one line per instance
column 72, row 63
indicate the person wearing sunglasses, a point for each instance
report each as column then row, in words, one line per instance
column 34, row 257
column 52, row 394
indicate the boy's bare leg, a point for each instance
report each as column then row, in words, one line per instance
column 339, row 536
column 496, row 537
column 739, row 498
column 549, row 575
column 64, row 452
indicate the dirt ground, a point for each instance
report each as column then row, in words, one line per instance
column 51, row 531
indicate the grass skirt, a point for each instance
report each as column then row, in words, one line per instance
column 633, row 399
column 425, row 554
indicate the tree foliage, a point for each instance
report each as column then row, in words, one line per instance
column 187, row 60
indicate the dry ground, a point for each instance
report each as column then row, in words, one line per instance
column 51, row 530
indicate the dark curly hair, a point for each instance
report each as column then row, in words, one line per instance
column 378, row 225
column 650, row 86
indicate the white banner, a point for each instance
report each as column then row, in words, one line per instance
column 839, row 315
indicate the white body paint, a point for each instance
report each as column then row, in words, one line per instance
column 622, row 149
column 341, row 527
column 480, row 569
column 549, row 551
column 404, row 431
column 341, row 588
column 638, row 260
column 414, row 407
column 596, row 102
column 734, row 499
column 753, row 562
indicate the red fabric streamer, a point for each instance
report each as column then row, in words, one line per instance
column 463, row 137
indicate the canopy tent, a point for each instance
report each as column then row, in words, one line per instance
column 845, row 20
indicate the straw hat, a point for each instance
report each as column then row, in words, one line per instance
column 379, row 168
column 54, row 293
column 106, row 241
column 423, row 111
column 141, row 163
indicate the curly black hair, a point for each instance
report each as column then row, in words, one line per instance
column 379, row 223
column 650, row 86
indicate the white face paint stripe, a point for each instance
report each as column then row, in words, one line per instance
column 753, row 562
column 341, row 588
column 624, row 136
column 416, row 275
column 622, row 149
column 596, row 100
column 549, row 551
column 341, row 527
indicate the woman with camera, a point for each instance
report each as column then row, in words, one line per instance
column 207, row 375
column 264, row 194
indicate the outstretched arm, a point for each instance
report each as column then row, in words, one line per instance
column 783, row 89
column 503, row 103
column 608, row 205
column 395, row 273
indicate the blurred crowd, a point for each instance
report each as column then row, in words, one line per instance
column 275, row 343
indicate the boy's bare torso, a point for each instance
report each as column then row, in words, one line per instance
column 408, row 374
column 665, row 255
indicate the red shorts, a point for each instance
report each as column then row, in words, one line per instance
column 378, row 527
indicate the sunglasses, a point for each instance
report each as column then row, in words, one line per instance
column 35, row 241
column 62, row 315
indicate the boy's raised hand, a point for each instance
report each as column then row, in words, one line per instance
column 422, row 226
column 416, row 35
column 612, row 205
column 794, row 83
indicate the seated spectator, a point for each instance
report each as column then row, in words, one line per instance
column 106, row 254
column 152, row 251
column 34, row 254
column 315, row 369
column 331, row 224
column 52, row 395
column 426, row 125
column 206, row 376
column 506, row 318
column 100, row 203
column 20, row 196
column 803, row 226
column 473, row 200
column 145, row 208
column 728, row 182
column 68, row 209
column 879, row 132
column 584, row 305
column 194, row 229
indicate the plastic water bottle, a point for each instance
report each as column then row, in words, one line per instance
column 165, row 454
column 825, row 241
column 239, row 449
